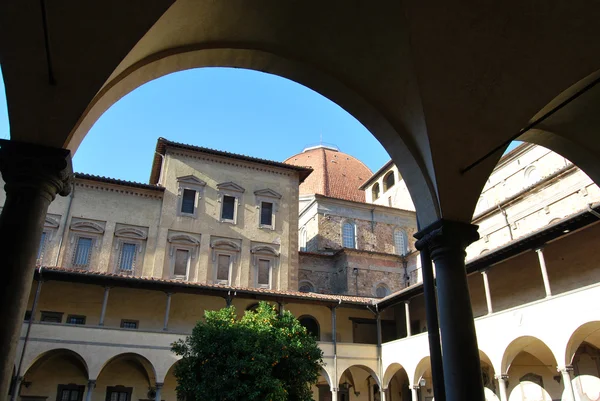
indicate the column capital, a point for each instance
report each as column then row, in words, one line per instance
column 159, row 386
column 416, row 387
column 91, row 384
column 444, row 234
column 501, row 377
column 564, row 369
column 26, row 166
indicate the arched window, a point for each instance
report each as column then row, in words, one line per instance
column 349, row 235
column 306, row 286
column 312, row 326
column 382, row 290
column 303, row 239
column 375, row 191
column 400, row 242
column 388, row 181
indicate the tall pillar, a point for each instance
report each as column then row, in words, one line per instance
column 382, row 394
column 159, row 387
column 407, row 316
column 502, row 386
column 433, row 328
column 488, row 294
column 414, row 392
column 540, row 253
column 565, row 371
column 167, row 311
column 90, row 390
column 446, row 242
column 334, row 394
column 104, row 304
column 34, row 175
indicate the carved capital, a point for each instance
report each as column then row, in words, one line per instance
column 446, row 236
column 37, row 168
column 91, row 384
column 565, row 369
column 501, row 377
column 159, row 386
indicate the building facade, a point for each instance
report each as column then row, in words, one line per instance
column 125, row 269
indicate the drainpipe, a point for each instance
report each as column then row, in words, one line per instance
column 405, row 265
column 16, row 383
column 64, row 227
column 506, row 220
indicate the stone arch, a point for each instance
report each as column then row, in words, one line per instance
column 487, row 371
column 375, row 191
column 54, row 353
column 311, row 324
column 390, row 371
column 370, row 371
column 389, row 180
column 393, row 136
column 306, row 284
column 423, row 371
column 325, row 374
column 588, row 332
column 136, row 358
column 530, row 344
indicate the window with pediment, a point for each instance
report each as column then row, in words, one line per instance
column 265, row 260
column 225, row 255
column 129, row 249
column 267, row 202
column 400, row 241
column 229, row 197
column 183, row 252
column 51, row 224
column 85, row 242
column 189, row 193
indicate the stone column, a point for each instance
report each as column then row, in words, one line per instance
column 540, row 253
column 446, row 242
column 407, row 316
column 382, row 394
column 104, row 304
column 565, row 371
column 414, row 392
column 34, row 175
column 488, row 294
column 90, row 390
column 334, row 394
column 159, row 387
column 502, row 386
column 167, row 311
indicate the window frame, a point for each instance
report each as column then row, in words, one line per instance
column 124, row 321
column 354, row 238
column 70, row 387
column 315, row 320
column 223, row 246
column 379, row 285
column 82, row 228
column 190, row 183
column 184, row 242
column 76, row 248
column 375, row 191
column 404, row 236
column 306, row 282
column 125, row 234
column 303, row 240
column 44, row 314
column 233, row 190
column 118, row 389
column 51, row 224
column 386, row 186
column 269, row 285
column 76, row 317
column 267, row 195
column 269, row 253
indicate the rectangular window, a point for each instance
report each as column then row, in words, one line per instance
column 182, row 257
column 51, row 317
column 70, row 392
column 223, row 263
column 127, row 258
column 264, row 273
column 266, row 214
column 188, row 202
column 75, row 319
column 42, row 245
column 83, row 252
column 129, row 324
column 228, row 208
column 118, row 393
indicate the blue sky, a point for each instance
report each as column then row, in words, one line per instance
column 236, row 110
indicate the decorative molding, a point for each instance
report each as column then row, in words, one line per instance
column 264, row 249
column 268, row 193
column 116, row 189
column 51, row 222
column 131, row 232
column 184, row 239
column 191, row 180
column 87, row 226
column 230, row 186
column 225, row 244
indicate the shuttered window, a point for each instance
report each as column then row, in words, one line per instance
column 127, row 258
column 83, row 252
column 223, row 263
column 266, row 214
column 264, row 273
column 188, row 201
column 181, row 262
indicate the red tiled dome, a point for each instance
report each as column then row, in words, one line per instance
column 335, row 174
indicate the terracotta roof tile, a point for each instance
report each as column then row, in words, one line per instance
column 335, row 174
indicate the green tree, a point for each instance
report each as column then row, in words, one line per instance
column 261, row 356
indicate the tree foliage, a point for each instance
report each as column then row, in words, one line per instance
column 261, row 356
